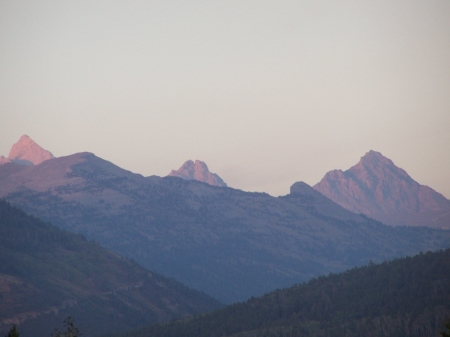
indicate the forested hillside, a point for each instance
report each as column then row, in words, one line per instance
column 405, row 297
column 47, row 274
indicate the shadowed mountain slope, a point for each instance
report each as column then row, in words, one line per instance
column 407, row 297
column 379, row 189
column 47, row 274
column 228, row 243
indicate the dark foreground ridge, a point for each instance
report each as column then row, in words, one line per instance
column 405, row 297
column 47, row 274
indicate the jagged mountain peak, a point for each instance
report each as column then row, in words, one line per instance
column 27, row 152
column 375, row 160
column 374, row 168
column 376, row 185
column 375, row 155
column 199, row 171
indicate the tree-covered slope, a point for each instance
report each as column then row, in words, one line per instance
column 405, row 297
column 47, row 274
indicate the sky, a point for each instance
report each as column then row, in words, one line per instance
column 267, row 93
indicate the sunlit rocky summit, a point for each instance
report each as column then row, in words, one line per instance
column 26, row 152
column 197, row 171
column 378, row 188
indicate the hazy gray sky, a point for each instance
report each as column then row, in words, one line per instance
column 267, row 93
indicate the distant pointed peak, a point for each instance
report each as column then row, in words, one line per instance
column 27, row 152
column 375, row 184
column 376, row 161
column 197, row 170
column 375, row 156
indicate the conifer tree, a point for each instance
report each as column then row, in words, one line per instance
column 447, row 326
column 71, row 330
column 13, row 332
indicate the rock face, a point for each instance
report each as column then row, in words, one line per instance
column 26, row 152
column 378, row 188
column 197, row 171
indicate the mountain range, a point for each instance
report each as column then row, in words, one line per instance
column 225, row 242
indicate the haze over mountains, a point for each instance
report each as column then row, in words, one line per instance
column 383, row 191
column 228, row 243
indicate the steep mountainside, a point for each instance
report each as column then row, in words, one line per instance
column 408, row 297
column 379, row 189
column 228, row 243
column 26, row 152
column 47, row 274
column 197, row 171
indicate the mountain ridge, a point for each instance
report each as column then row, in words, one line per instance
column 225, row 242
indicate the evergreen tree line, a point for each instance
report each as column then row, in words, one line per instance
column 69, row 330
column 405, row 297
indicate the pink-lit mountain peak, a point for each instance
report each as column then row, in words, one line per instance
column 199, row 171
column 376, row 185
column 374, row 167
column 27, row 152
